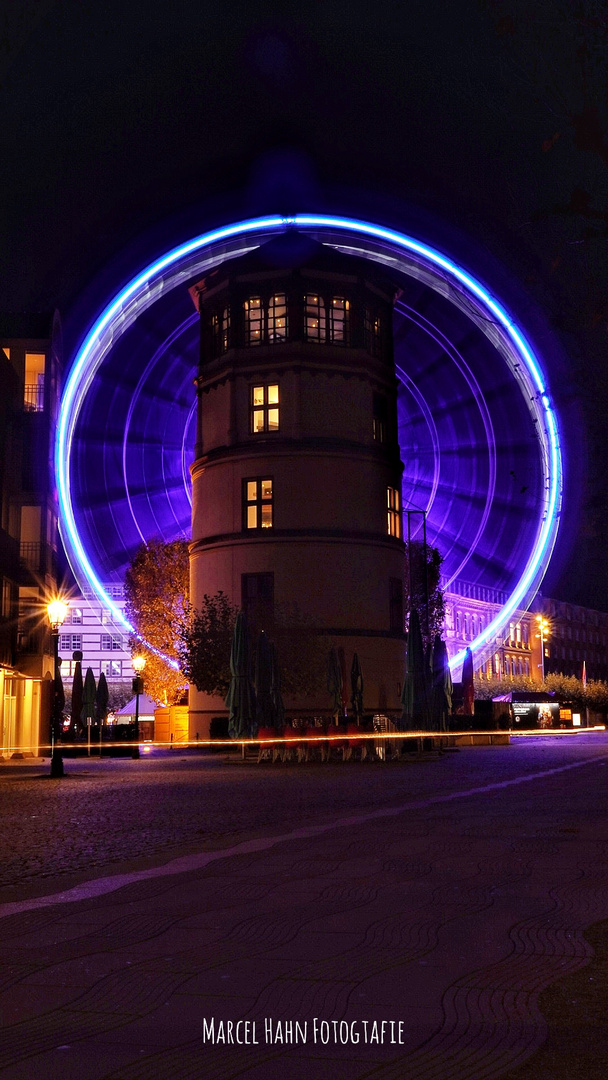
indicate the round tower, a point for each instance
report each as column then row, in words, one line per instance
column 296, row 482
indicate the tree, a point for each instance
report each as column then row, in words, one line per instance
column 157, row 597
column 425, row 575
column 205, row 644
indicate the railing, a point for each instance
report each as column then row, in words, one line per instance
column 29, row 551
column 33, row 397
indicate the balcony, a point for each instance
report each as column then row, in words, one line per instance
column 33, row 397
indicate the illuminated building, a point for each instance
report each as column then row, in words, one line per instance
column 94, row 630
column 296, row 481
column 30, row 373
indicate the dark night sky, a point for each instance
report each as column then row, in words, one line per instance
column 126, row 126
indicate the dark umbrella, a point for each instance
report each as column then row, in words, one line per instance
column 263, row 683
column 334, row 683
column 342, row 662
column 442, row 686
column 275, row 690
column 240, row 699
column 88, row 700
column 75, row 715
column 102, row 697
column 356, row 686
column 414, row 696
column 468, row 688
column 58, row 692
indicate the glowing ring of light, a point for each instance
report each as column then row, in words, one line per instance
column 387, row 246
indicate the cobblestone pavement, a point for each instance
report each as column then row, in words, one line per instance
column 120, row 810
column 444, row 893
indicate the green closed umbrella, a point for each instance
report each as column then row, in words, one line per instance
column 442, row 686
column 263, row 682
column 356, row 686
column 240, row 699
column 88, row 703
column 102, row 697
column 278, row 708
column 334, row 683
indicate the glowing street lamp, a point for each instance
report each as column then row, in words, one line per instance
column 56, row 612
column 544, row 628
column 139, row 663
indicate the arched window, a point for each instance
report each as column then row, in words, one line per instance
column 466, row 624
column 458, row 623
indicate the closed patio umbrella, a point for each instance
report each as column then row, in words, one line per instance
column 240, row 699
column 356, row 686
column 263, row 682
column 88, row 703
column 102, row 697
column 275, row 690
column 77, row 690
column 334, row 683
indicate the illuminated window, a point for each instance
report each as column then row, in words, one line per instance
column 33, row 397
column 314, row 318
column 393, row 513
column 458, row 622
column 339, row 320
column 264, row 408
column 112, row 668
column 466, row 624
column 75, row 615
column 257, row 504
column 277, row 318
column 254, row 324
column 496, row 664
column 380, row 416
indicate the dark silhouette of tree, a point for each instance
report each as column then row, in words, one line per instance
column 425, row 583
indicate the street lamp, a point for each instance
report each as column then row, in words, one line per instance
column 139, row 663
column 544, row 628
column 56, row 611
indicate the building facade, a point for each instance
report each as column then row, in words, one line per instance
column 30, row 561
column 92, row 629
column 296, row 480
column 469, row 609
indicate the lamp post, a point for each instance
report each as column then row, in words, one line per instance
column 56, row 613
column 543, row 628
column 139, row 663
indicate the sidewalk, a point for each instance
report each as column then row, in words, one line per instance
column 446, row 915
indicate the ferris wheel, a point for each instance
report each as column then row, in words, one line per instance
column 478, row 431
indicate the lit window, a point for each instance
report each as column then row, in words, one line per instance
column 264, row 409
column 458, row 622
column 393, row 512
column 339, row 320
column 33, row 398
column 112, row 668
column 277, row 318
column 314, row 318
column 70, row 642
column 258, row 504
column 76, row 615
column 106, row 642
column 254, row 328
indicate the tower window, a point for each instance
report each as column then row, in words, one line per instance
column 393, row 512
column 257, row 600
column 277, row 318
column 396, row 604
column 314, row 318
column 380, row 416
column 372, row 331
column 220, row 332
column 257, row 504
column 254, row 325
column 339, row 321
column 264, row 408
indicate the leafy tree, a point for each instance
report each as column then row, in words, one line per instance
column 425, row 574
column 157, row 592
column 205, row 644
